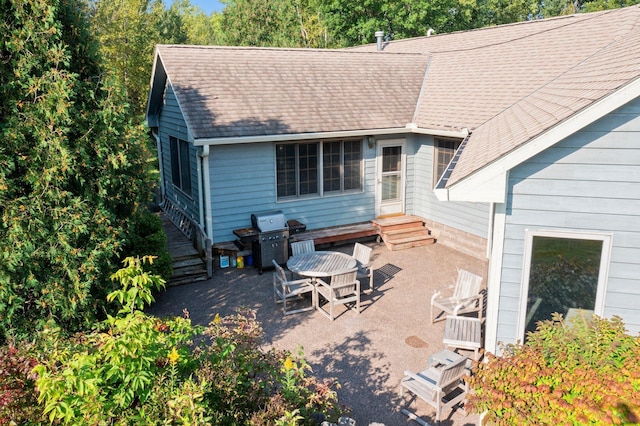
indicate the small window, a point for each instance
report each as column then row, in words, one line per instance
column 445, row 149
column 318, row 168
column 180, row 164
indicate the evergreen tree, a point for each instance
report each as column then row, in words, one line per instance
column 73, row 169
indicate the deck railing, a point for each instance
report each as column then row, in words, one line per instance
column 192, row 230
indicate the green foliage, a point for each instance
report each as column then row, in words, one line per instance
column 584, row 372
column 72, row 168
column 147, row 236
column 128, row 32
column 277, row 23
column 137, row 369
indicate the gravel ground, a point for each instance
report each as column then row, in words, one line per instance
column 369, row 352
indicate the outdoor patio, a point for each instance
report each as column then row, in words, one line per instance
column 368, row 353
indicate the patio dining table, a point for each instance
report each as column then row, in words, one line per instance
column 320, row 263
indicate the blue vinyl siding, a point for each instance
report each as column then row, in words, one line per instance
column 469, row 217
column 589, row 182
column 171, row 123
column 242, row 179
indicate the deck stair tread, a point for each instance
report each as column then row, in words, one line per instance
column 187, row 264
column 413, row 230
column 403, row 232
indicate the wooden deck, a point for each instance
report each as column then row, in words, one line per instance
column 337, row 234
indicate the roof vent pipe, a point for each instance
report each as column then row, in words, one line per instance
column 430, row 31
column 379, row 35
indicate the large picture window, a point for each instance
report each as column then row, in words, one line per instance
column 566, row 273
column 445, row 149
column 318, row 168
column 180, row 164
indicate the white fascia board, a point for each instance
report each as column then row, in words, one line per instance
column 441, row 194
column 409, row 128
column 298, row 136
column 459, row 134
column 483, row 185
column 492, row 189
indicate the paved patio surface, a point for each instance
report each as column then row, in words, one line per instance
column 368, row 353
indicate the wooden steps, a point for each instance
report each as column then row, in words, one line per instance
column 403, row 232
column 188, row 266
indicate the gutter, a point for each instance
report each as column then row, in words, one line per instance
column 410, row 128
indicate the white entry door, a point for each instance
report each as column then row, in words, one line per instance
column 390, row 177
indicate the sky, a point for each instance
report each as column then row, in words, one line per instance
column 208, row 6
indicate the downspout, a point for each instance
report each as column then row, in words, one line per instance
column 200, row 191
column 208, row 220
column 156, row 136
column 492, row 211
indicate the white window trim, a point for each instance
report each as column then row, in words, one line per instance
column 605, row 259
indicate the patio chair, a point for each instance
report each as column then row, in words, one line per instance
column 463, row 333
column 285, row 290
column 343, row 289
column 466, row 297
column 362, row 255
column 440, row 386
column 305, row 246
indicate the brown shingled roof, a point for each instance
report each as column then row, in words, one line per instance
column 507, row 84
column 234, row 91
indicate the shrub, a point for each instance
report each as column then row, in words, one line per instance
column 138, row 369
column 17, row 385
column 147, row 236
column 584, row 372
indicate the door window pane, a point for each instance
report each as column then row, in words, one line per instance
column 564, row 275
column 390, row 187
column 391, row 158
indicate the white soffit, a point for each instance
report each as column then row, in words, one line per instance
column 489, row 183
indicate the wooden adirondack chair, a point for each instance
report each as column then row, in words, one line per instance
column 440, row 386
column 466, row 297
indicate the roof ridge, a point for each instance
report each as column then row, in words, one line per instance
column 284, row 49
column 584, row 17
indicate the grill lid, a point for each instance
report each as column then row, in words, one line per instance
column 272, row 220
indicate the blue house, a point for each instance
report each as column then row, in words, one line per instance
column 518, row 144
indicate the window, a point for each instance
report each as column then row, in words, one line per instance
column 566, row 272
column 180, row 164
column 318, row 168
column 444, row 152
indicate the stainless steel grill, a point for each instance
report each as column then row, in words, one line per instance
column 273, row 239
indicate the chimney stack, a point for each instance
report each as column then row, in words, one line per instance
column 379, row 35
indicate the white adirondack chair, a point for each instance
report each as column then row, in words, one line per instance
column 465, row 297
